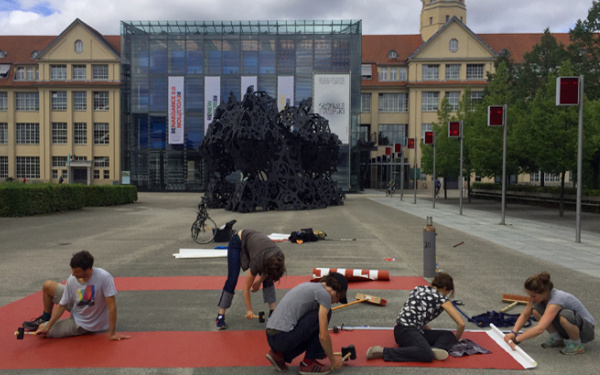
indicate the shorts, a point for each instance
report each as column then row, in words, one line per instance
column 586, row 330
column 64, row 327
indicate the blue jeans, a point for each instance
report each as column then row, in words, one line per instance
column 234, row 263
column 303, row 338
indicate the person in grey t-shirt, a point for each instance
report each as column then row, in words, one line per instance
column 299, row 325
column 560, row 313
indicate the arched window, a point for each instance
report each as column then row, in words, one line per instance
column 392, row 54
column 78, row 46
column 453, row 45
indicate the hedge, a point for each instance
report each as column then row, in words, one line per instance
column 534, row 189
column 17, row 199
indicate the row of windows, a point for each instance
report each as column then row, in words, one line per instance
column 398, row 102
column 29, row 101
column 392, row 73
column 431, row 72
column 29, row 133
column 59, row 72
column 29, row 166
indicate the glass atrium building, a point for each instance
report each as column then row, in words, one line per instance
column 173, row 72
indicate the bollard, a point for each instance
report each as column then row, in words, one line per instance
column 429, row 257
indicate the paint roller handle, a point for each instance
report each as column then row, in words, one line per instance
column 509, row 306
column 348, row 304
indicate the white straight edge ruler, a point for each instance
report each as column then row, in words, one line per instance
column 518, row 354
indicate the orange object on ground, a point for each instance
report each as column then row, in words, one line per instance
column 353, row 274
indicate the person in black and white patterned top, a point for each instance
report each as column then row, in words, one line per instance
column 417, row 343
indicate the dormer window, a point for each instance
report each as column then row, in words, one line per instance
column 392, row 54
column 2, row 54
column 78, row 46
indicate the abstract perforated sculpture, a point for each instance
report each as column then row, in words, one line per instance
column 286, row 159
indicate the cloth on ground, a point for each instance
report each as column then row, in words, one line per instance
column 468, row 347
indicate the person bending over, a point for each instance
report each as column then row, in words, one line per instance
column 300, row 322
column 89, row 294
column 417, row 342
column 560, row 313
column 256, row 252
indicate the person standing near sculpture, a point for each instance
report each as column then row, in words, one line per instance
column 256, row 252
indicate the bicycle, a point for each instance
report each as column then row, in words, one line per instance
column 204, row 228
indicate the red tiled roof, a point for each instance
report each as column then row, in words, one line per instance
column 518, row 44
column 19, row 47
column 376, row 47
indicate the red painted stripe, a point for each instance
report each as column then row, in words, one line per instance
column 217, row 282
column 226, row 349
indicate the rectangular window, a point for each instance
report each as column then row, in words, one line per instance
column 101, row 133
column 28, row 167
column 59, row 133
column 476, row 97
column 31, row 73
column 3, row 166
column 59, row 161
column 452, row 72
column 393, row 102
column 58, row 72
column 28, row 133
column 431, row 72
column 59, row 100
column 430, row 101
column 3, row 133
column 474, row 71
column 79, row 72
column 534, row 177
column 402, row 74
column 99, row 72
column 101, row 161
column 79, row 100
column 3, row 101
column 390, row 134
column 365, row 102
column 19, row 73
column 80, row 133
column 425, row 128
column 96, row 174
column 453, row 99
column 366, row 71
column 382, row 74
column 27, row 101
column 101, row 101
column 106, row 174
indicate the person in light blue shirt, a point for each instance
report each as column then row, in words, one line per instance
column 560, row 313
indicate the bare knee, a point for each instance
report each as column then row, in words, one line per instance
column 49, row 287
column 536, row 315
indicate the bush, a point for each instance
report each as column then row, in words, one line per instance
column 534, row 189
column 17, row 199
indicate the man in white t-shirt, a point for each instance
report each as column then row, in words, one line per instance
column 89, row 295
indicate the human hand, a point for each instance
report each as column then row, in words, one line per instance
column 250, row 315
column 337, row 362
column 42, row 329
column 508, row 337
column 512, row 344
column 118, row 337
column 255, row 286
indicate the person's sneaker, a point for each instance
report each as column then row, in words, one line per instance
column 276, row 361
column 33, row 325
column 375, row 352
column 571, row 348
column 553, row 342
column 221, row 322
column 315, row 368
column 439, row 354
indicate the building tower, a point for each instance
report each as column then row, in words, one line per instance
column 436, row 13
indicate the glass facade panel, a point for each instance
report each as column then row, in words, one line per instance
column 152, row 51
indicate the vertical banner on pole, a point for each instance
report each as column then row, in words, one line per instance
column 176, row 110
column 247, row 81
column 212, row 98
column 332, row 100
column 285, row 91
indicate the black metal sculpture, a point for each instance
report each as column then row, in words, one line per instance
column 286, row 159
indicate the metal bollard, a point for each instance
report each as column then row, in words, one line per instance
column 429, row 257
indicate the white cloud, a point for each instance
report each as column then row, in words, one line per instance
column 378, row 16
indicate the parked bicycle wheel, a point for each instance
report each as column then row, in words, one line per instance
column 204, row 230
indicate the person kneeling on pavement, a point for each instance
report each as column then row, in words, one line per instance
column 300, row 322
column 89, row 295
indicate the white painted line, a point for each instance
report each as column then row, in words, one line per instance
column 200, row 253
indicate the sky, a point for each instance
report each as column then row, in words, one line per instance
column 51, row 17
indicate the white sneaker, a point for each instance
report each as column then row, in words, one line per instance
column 375, row 352
column 439, row 354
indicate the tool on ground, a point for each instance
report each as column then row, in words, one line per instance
column 336, row 329
column 364, row 298
column 347, row 352
column 20, row 333
column 352, row 274
column 260, row 317
column 514, row 300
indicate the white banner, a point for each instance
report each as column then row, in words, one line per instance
column 176, row 110
column 331, row 99
column 248, row 81
column 285, row 91
column 212, row 99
